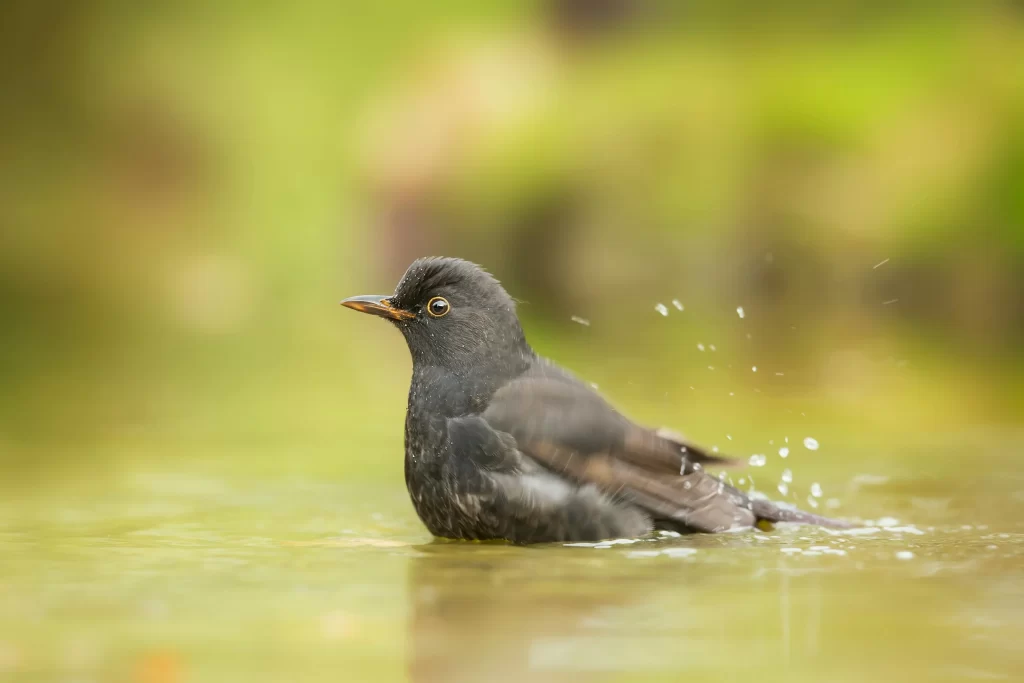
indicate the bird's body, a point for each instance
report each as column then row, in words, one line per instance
column 503, row 444
column 469, row 480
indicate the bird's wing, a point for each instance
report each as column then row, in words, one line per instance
column 695, row 453
column 574, row 432
column 549, row 404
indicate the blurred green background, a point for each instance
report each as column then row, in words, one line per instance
column 188, row 189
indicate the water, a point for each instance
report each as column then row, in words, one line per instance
column 177, row 573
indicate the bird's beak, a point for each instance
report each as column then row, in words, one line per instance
column 377, row 305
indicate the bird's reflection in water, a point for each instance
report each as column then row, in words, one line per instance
column 499, row 613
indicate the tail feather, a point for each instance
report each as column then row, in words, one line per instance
column 771, row 512
column 759, row 509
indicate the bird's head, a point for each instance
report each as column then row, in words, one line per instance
column 453, row 314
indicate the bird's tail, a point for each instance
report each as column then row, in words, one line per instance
column 768, row 511
column 762, row 510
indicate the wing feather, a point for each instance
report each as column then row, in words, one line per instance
column 573, row 432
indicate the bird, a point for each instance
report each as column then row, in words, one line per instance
column 504, row 444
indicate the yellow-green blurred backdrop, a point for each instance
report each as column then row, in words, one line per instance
column 188, row 189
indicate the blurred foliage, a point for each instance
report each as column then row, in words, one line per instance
column 188, row 189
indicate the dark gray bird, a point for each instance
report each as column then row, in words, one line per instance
column 501, row 443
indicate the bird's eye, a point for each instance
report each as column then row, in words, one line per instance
column 438, row 307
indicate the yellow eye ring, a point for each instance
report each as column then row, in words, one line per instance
column 438, row 307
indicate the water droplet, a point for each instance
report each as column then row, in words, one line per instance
column 757, row 460
column 811, row 444
column 787, row 476
column 783, row 489
column 661, row 308
column 581, row 321
column 783, row 452
column 753, row 369
column 729, row 436
column 739, row 311
column 812, row 502
column 904, row 555
column 700, row 346
column 711, row 367
column 816, row 490
column 679, row 306
column 712, row 347
column 687, row 485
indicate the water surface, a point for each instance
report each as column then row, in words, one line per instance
column 178, row 573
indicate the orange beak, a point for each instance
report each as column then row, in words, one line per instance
column 375, row 304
